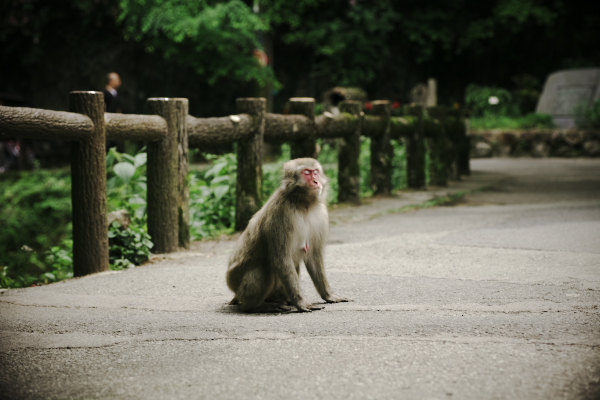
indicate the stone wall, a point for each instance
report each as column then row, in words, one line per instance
column 534, row 143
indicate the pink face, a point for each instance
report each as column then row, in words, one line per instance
column 313, row 178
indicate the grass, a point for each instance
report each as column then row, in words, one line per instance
column 529, row 121
column 447, row 200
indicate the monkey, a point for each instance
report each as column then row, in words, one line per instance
column 290, row 229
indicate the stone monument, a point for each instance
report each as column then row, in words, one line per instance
column 566, row 90
column 418, row 94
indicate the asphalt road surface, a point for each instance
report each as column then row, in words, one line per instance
column 495, row 297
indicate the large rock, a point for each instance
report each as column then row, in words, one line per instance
column 565, row 90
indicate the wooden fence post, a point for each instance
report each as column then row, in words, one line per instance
column 249, row 162
column 438, row 148
column 348, row 161
column 307, row 147
column 464, row 152
column 88, row 193
column 415, row 151
column 168, row 195
column 382, row 152
column 453, row 130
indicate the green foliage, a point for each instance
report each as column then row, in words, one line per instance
column 127, row 183
column 35, row 210
column 127, row 191
column 588, row 117
column 529, row 121
column 212, row 198
column 328, row 157
column 456, row 27
column 128, row 247
column 478, row 100
column 506, row 114
column 526, row 92
column 273, row 172
column 399, row 178
column 348, row 43
column 35, row 215
column 216, row 38
column 365, row 167
column 31, row 268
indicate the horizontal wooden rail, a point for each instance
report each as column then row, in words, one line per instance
column 216, row 131
column 33, row 123
column 339, row 126
column 135, row 127
column 287, row 128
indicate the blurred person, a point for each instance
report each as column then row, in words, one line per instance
column 111, row 97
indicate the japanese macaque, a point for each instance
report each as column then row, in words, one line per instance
column 291, row 228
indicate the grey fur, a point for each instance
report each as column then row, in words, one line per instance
column 291, row 228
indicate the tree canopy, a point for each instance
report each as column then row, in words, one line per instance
column 204, row 49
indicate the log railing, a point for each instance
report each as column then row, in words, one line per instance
column 170, row 131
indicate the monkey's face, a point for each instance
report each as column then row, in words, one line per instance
column 312, row 178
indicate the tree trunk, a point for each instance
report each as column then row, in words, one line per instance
column 88, row 194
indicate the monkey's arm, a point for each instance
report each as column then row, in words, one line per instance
column 282, row 239
column 316, row 269
column 291, row 283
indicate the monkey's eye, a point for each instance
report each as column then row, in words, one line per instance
column 306, row 172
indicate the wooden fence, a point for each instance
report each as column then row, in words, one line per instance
column 171, row 131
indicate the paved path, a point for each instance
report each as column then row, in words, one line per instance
column 493, row 298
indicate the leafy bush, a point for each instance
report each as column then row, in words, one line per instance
column 328, row 157
column 127, row 184
column 212, row 198
column 477, row 99
column 128, row 247
column 507, row 113
column 35, row 215
column 127, row 191
column 35, row 209
column 588, row 117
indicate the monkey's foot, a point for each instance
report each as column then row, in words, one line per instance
column 270, row 308
column 308, row 307
column 334, row 298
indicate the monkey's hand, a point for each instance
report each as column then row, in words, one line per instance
column 334, row 298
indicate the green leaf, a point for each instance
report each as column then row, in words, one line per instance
column 137, row 200
column 219, row 179
column 124, row 170
column 215, row 170
column 221, row 191
column 140, row 159
column 50, row 276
